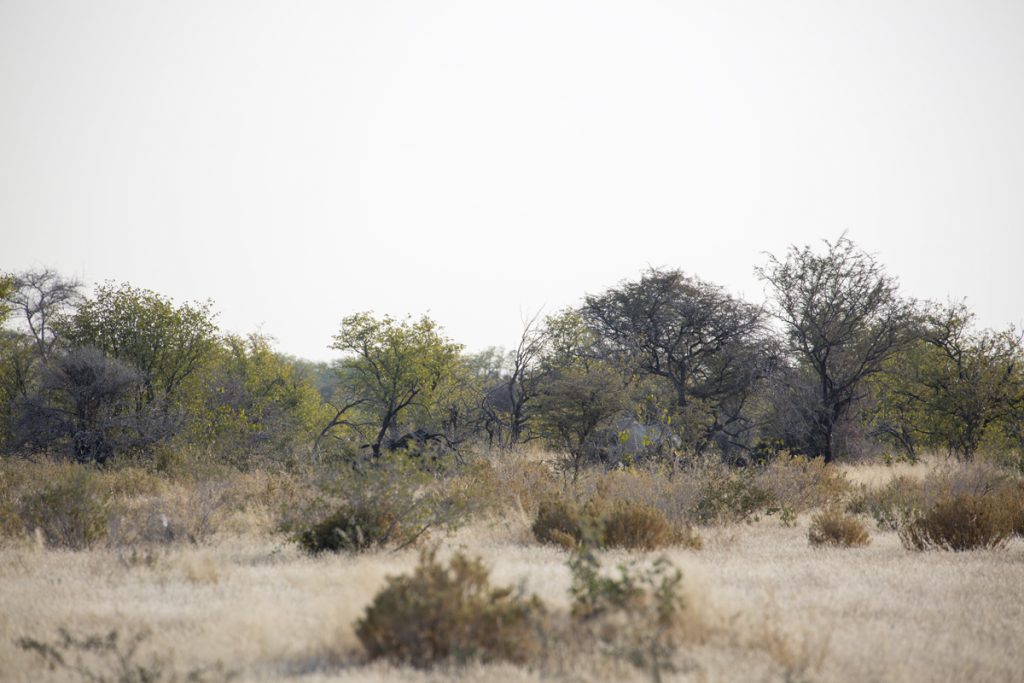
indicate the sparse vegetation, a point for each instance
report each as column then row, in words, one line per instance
column 70, row 511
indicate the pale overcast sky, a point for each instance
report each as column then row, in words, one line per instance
column 299, row 161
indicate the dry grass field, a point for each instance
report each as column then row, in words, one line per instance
column 760, row 604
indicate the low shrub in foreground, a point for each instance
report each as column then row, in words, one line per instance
column 638, row 615
column 111, row 658
column 451, row 613
column 957, row 522
column 833, row 527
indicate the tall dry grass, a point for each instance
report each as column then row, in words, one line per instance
column 762, row 603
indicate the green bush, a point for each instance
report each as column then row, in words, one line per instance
column 957, row 522
column 450, row 614
column 353, row 527
column 835, row 528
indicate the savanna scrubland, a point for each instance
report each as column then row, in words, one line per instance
column 662, row 483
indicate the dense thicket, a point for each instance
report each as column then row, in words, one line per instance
column 659, row 368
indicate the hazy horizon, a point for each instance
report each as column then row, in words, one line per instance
column 479, row 161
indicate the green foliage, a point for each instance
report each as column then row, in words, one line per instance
column 957, row 522
column 955, row 386
column 580, row 392
column 708, row 348
column 71, row 511
column 252, row 401
column 441, row 614
column 6, row 287
column 834, row 527
column 394, row 367
column 167, row 343
column 18, row 370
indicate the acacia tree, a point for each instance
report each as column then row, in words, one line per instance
column 393, row 367
column 692, row 334
column 842, row 317
column 42, row 296
column 509, row 395
column 85, row 406
column 581, row 392
column 167, row 343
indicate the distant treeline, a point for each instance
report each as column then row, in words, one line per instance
column 662, row 367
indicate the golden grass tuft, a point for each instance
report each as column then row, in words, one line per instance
column 833, row 527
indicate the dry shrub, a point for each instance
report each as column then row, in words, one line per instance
column 558, row 522
column 800, row 483
column 184, row 511
column 111, row 658
column 834, row 527
column 905, row 498
column 521, row 483
column 957, row 522
column 636, row 526
column 619, row 524
column 729, row 496
column 1009, row 501
column 442, row 614
column 673, row 493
